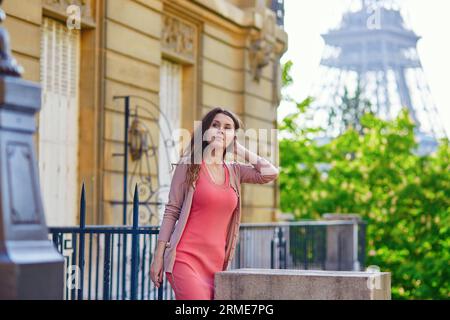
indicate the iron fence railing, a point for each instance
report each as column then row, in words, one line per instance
column 113, row 262
column 109, row 262
column 317, row 245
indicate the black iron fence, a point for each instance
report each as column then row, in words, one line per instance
column 113, row 262
column 316, row 245
column 109, row 262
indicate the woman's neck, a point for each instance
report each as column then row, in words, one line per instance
column 213, row 159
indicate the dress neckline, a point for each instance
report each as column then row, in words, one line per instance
column 226, row 183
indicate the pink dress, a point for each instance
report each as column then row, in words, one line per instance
column 201, row 249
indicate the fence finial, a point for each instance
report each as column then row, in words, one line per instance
column 83, row 207
column 135, row 207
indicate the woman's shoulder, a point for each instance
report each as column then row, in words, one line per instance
column 234, row 165
column 183, row 162
column 179, row 167
column 230, row 162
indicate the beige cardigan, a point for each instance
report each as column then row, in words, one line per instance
column 180, row 200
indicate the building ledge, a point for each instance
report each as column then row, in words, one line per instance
column 292, row 284
column 248, row 17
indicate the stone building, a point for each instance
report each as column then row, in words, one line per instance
column 177, row 58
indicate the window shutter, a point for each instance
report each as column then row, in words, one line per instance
column 58, row 121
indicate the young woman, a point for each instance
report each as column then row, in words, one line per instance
column 200, row 227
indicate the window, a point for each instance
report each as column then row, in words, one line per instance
column 58, row 121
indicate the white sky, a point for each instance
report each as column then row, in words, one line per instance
column 306, row 19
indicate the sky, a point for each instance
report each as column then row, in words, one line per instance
column 305, row 20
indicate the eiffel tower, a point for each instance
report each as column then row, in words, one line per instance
column 374, row 46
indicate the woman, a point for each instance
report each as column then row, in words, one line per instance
column 200, row 226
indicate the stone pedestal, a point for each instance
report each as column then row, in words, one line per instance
column 30, row 266
column 288, row 284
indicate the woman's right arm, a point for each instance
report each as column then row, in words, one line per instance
column 173, row 207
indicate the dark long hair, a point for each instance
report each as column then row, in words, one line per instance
column 193, row 167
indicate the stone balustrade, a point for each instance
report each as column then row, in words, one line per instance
column 289, row 284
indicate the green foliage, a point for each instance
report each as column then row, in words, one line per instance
column 349, row 111
column 405, row 198
column 286, row 78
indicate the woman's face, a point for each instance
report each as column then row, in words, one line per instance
column 221, row 132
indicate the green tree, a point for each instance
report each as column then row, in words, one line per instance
column 349, row 112
column 373, row 171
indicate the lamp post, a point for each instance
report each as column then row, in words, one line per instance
column 30, row 266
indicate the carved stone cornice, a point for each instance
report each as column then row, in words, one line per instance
column 178, row 38
column 263, row 43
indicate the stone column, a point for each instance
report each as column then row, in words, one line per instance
column 30, row 266
column 342, row 243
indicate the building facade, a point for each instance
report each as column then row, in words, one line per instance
column 176, row 60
